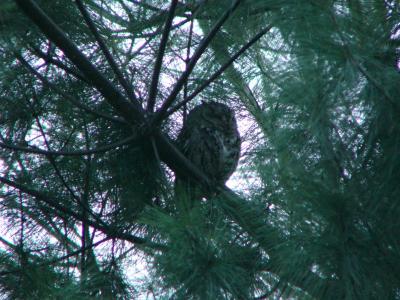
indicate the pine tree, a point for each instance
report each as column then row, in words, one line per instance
column 92, row 96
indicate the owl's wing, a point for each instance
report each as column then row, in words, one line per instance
column 231, row 154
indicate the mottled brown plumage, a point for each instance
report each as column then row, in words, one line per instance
column 210, row 140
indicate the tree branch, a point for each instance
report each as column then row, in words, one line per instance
column 220, row 71
column 177, row 161
column 253, row 220
column 52, row 161
column 132, row 112
column 105, row 51
column 109, row 230
column 48, row 59
column 65, row 95
column 100, row 149
column 55, row 260
column 193, row 61
column 243, row 213
column 161, row 50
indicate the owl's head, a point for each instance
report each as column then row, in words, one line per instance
column 213, row 114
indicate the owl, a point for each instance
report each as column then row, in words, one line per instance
column 210, row 140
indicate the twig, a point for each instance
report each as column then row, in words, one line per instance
column 50, row 158
column 189, row 46
column 58, row 259
column 100, row 149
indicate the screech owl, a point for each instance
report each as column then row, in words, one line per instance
column 210, row 140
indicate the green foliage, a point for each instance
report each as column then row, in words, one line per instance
column 34, row 279
column 206, row 259
column 87, row 194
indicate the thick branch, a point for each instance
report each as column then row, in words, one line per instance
column 65, row 95
column 131, row 112
column 242, row 88
column 177, row 161
column 168, row 152
column 50, row 60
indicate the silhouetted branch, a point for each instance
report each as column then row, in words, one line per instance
column 250, row 218
column 161, row 50
column 65, row 95
column 101, row 149
column 52, row 161
column 130, row 111
column 220, row 71
column 187, row 59
column 57, row 63
column 193, row 61
column 105, row 51
column 109, row 230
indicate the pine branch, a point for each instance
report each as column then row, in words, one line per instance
column 50, row 60
column 101, row 149
column 219, row 71
column 130, row 111
column 187, row 59
column 52, row 161
column 252, row 219
column 53, row 261
column 65, row 95
column 105, row 51
column 222, row 53
column 358, row 65
column 161, row 50
column 160, row 115
column 98, row 224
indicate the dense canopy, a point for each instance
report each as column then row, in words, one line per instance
column 93, row 94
